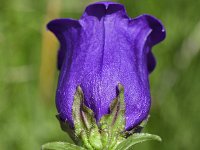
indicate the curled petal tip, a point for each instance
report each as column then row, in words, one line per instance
column 158, row 31
column 62, row 24
column 100, row 9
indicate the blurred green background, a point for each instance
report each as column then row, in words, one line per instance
column 28, row 72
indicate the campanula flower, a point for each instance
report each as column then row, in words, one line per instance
column 100, row 50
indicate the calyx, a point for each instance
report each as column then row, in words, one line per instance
column 109, row 133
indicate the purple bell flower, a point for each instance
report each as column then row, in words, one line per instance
column 106, row 47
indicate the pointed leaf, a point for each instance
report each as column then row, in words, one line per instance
column 136, row 138
column 61, row 146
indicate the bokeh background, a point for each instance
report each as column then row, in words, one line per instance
column 28, row 72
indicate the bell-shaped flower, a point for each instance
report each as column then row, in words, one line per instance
column 100, row 50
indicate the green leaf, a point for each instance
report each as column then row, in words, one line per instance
column 135, row 139
column 60, row 146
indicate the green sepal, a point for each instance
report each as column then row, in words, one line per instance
column 135, row 139
column 61, row 146
column 113, row 124
column 85, row 124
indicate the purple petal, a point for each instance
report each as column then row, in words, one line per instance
column 104, row 48
column 60, row 27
